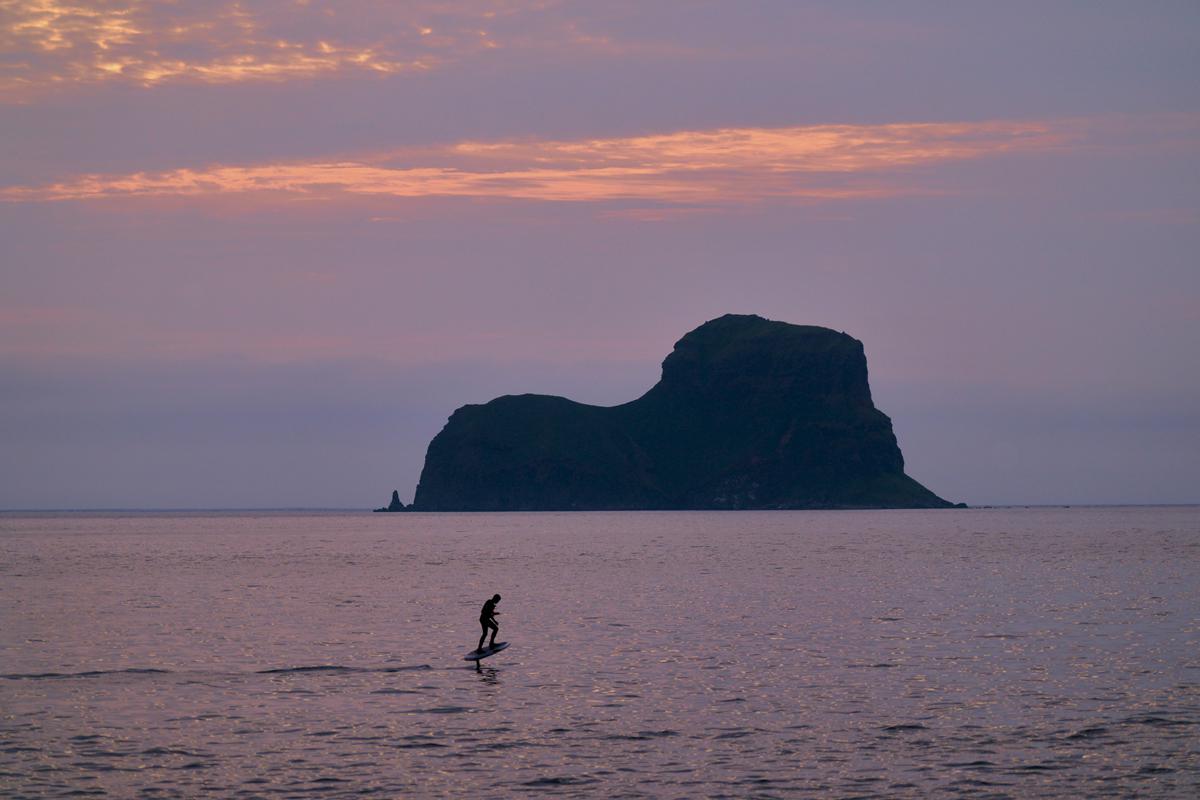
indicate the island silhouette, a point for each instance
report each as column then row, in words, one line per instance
column 749, row 413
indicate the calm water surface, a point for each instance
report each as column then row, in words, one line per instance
column 980, row 653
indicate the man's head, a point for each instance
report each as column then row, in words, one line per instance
column 496, row 598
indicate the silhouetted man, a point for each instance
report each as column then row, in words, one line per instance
column 487, row 618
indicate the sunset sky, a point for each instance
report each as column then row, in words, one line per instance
column 254, row 254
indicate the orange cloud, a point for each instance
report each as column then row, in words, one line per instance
column 813, row 148
column 686, row 167
column 57, row 44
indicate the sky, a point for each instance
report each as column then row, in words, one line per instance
column 253, row 255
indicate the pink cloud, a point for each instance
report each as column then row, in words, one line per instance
column 57, row 45
column 707, row 167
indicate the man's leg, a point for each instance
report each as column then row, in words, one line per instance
column 495, row 630
column 484, row 635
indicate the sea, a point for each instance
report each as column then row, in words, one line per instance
column 983, row 653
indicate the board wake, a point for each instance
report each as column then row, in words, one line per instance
column 478, row 655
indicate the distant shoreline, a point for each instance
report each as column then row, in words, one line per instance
column 360, row 510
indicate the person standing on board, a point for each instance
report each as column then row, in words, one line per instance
column 487, row 619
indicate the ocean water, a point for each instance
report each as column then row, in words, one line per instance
column 976, row 653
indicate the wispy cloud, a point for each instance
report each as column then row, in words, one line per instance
column 56, row 44
column 699, row 167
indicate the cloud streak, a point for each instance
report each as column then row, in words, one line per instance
column 63, row 44
column 727, row 165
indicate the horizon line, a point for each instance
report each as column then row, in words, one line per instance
column 364, row 509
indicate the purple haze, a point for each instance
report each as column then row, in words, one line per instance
column 256, row 258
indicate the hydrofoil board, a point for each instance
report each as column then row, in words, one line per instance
column 478, row 655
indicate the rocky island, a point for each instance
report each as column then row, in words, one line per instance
column 749, row 414
column 393, row 506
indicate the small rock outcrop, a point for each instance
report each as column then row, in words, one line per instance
column 749, row 413
column 395, row 505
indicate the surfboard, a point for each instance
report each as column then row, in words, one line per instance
column 479, row 655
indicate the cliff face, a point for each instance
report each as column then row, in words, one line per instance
column 749, row 413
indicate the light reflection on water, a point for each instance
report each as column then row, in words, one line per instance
column 988, row 653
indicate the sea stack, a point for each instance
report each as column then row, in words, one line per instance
column 749, row 414
column 395, row 505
